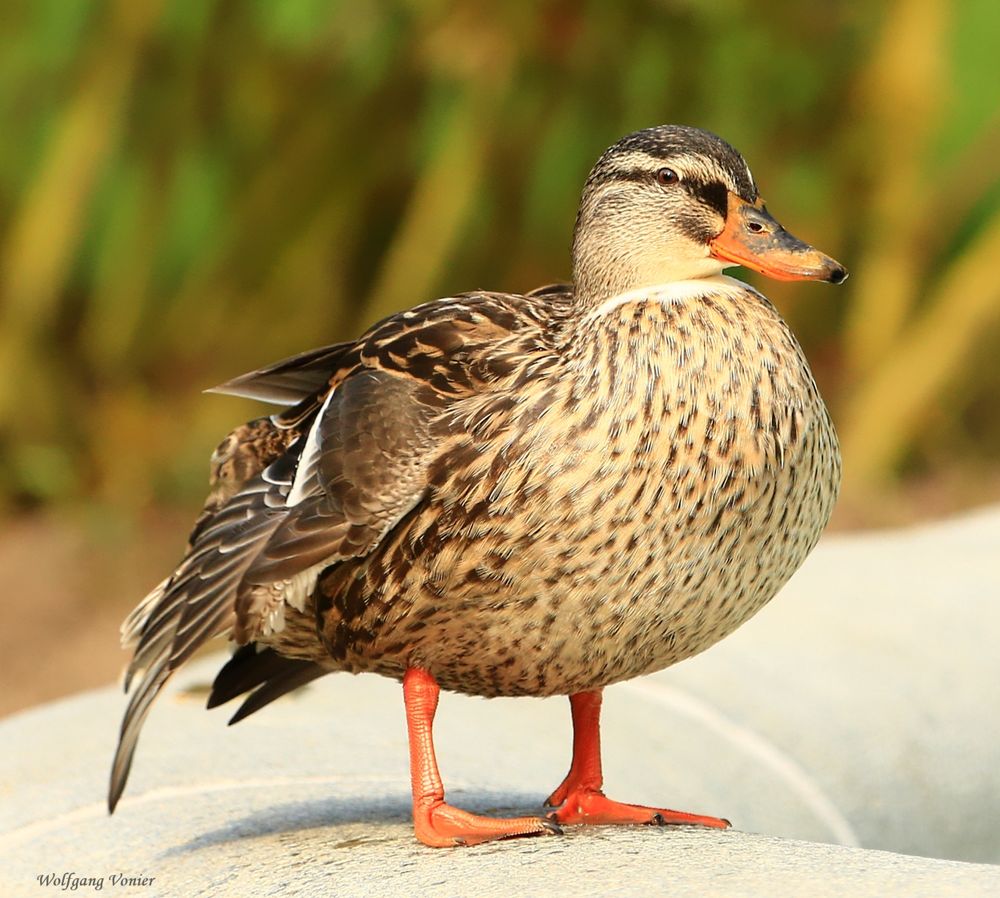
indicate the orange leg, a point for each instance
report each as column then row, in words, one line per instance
column 436, row 823
column 579, row 798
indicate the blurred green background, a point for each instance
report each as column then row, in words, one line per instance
column 193, row 188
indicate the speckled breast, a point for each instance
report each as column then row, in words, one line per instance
column 642, row 502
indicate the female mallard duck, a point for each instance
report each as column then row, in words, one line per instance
column 522, row 495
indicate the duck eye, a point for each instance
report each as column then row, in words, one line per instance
column 666, row 177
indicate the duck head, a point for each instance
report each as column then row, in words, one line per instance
column 675, row 203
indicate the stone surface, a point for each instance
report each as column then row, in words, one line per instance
column 856, row 712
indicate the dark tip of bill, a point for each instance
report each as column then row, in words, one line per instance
column 838, row 275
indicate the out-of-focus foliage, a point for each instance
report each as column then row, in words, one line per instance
column 192, row 189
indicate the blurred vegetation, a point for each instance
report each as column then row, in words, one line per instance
column 192, row 189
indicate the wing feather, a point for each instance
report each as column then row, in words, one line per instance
column 322, row 481
column 291, row 380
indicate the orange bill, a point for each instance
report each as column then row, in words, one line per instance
column 752, row 238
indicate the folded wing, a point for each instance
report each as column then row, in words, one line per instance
column 320, row 482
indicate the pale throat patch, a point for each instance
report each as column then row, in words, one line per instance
column 676, row 291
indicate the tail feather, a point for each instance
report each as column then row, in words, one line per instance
column 291, row 679
column 195, row 604
column 135, row 715
column 248, row 668
column 266, row 672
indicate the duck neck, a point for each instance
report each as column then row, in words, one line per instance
column 596, row 284
column 593, row 316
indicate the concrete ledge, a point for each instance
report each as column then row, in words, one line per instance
column 857, row 710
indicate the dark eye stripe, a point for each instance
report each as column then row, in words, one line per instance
column 713, row 194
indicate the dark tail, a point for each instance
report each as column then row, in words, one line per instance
column 267, row 673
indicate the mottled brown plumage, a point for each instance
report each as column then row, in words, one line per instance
column 522, row 494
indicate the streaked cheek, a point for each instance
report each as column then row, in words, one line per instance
column 699, row 223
